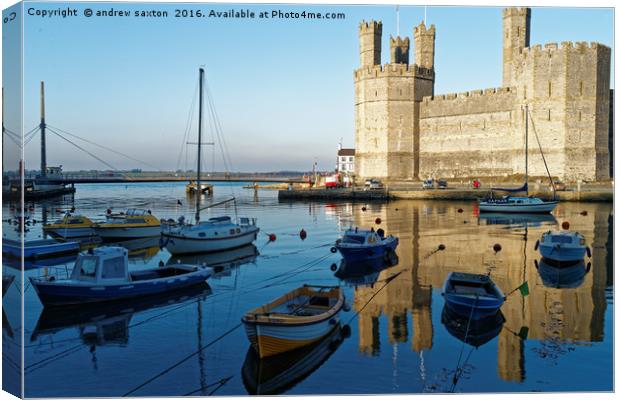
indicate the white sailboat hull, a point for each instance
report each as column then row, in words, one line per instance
column 186, row 243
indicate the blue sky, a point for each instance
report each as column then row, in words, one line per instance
column 283, row 88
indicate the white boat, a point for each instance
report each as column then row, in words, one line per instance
column 214, row 234
column 527, row 204
column 133, row 224
column 562, row 246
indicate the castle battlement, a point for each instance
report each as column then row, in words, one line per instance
column 370, row 26
column 515, row 12
column 398, row 41
column 480, row 93
column 564, row 47
column 393, row 70
column 421, row 29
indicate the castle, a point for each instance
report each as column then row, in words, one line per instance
column 403, row 131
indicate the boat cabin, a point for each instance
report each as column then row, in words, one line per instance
column 104, row 264
column 361, row 237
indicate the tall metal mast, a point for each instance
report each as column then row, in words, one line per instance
column 42, row 127
column 198, row 185
column 527, row 187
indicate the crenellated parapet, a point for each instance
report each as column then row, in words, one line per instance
column 515, row 12
column 399, row 50
column 370, row 42
column 394, row 70
column 553, row 49
column 424, row 44
column 471, row 102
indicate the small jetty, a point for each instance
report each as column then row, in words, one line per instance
column 333, row 194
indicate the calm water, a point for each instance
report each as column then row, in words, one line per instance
column 559, row 338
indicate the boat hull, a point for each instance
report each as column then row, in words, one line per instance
column 361, row 254
column 177, row 244
column 120, row 233
column 545, row 207
column 51, row 249
column 70, row 233
column 272, row 339
column 559, row 253
column 56, row 293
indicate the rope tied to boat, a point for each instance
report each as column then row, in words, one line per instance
column 458, row 372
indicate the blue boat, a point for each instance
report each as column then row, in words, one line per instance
column 103, row 275
column 38, row 248
column 562, row 246
column 475, row 333
column 472, row 295
column 359, row 245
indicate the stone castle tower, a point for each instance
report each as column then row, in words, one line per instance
column 387, row 100
column 404, row 132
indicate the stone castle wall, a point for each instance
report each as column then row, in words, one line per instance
column 404, row 132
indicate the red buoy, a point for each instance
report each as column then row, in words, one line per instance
column 460, row 210
column 497, row 247
column 565, row 225
column 272, row 237
column 584, row 213
column 378, row 221
column 303, row 234
column 363, row 208
column 441, row 247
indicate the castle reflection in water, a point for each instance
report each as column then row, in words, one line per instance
column 552, row 315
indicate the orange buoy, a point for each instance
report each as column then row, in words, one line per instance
column 565, row 225
column 497, row 247
column 378, row 221
column 303, row 234
column 272, row 237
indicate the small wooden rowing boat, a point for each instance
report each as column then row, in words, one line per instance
column 472, row 295
column 296, row 319
column 475, row 333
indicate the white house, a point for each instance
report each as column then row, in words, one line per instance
column 345, row 162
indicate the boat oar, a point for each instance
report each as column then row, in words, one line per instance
column 523, row 288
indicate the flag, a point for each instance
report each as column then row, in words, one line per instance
column 524, row 289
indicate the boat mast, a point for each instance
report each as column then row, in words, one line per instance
column 527, row 188
column 42, row 127
column 198, row 185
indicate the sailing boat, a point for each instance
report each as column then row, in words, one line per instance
column 214, row 234
column 514, row 204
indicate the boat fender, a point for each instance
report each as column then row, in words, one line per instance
column 346, row 331
column 536, row 245
column 381, row 233
column 333, row 249
column 333, row 267
column 536, row 263
column 588, row 252
column 588, row 267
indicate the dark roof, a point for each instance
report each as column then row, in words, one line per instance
column 346, row 152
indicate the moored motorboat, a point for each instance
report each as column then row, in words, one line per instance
column 472, row 295
column 71, row 227
column 562, row 246
column 296, row 319
column 102, row 274
column 359, row 245
column 135, row 223
column 38, row 248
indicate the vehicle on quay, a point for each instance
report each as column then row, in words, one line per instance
column 428, row 184
column 373, row 184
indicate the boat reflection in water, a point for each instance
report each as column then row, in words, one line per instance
column 524, row 220
column 279, row 373
column 141, row 249
column 363, row 273
column 562, row 276
column 109, row 323
column 222, row 262
column 480, row 330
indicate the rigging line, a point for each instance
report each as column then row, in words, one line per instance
column 184, row 359
column 219, row 131
column 190, row 117
column 87, row 152
column 220, row 382
column 104, row 147
column 29, row 139
column 541, row 152
column 387, row 282
column 17, row 135
column 51, row 357
column 14, row 140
